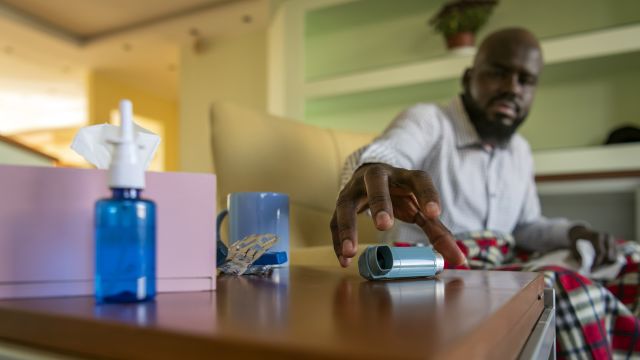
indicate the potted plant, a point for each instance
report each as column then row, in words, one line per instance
column 460, row 20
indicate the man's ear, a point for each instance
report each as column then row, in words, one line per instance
column 466, row 79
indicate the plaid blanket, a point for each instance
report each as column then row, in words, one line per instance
column 594, row 320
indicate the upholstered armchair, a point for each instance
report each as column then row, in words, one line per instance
column 254, row 151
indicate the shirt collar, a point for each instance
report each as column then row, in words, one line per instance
column 466, row 134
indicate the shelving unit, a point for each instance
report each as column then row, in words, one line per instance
column 610, row 174
column 346, row 89
column 291, row 87
column 620, row 158
column 604, row 169
column 562, row 49
column 611, row 48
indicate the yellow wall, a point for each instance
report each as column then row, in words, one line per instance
column 231, row 69
column 105, row 94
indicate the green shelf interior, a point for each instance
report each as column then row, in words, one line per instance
column 577, row 102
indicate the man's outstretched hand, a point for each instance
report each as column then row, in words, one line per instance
column 391, row 193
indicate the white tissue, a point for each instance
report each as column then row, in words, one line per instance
column 93, row 143
column 603, row 272
column 587, row 253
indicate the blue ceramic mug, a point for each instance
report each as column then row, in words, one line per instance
column 253, row 213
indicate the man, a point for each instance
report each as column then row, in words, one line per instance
column 460, row 167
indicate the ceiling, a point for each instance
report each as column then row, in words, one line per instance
column 87, row 19
column 52, row 44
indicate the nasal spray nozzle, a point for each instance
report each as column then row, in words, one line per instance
column 125, row 171
column 126, row 149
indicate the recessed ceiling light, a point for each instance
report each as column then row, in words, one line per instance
column 247, row 19
column 126, row 47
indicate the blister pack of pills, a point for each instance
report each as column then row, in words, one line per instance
column 244, row 252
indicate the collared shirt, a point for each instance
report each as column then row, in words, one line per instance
column 480, row 188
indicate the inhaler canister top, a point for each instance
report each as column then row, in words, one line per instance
column 439, row 262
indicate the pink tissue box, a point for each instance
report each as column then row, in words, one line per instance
column 47, row 233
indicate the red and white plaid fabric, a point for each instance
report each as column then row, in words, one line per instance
column 594, row 320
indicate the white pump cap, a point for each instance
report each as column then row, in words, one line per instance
column 126, row 171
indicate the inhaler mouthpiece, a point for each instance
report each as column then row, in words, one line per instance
column 386, row 262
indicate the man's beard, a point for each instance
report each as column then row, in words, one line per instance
column 497, row 131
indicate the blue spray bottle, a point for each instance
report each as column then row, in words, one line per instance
column 125, row 226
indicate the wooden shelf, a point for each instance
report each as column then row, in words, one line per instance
column 610, row 168
column 582, row 187
column 588, row 160
column 612, row 41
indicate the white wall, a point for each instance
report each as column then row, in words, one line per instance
column 612, row 213
column 232, row 69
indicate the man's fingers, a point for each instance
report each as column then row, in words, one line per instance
column 343, row 230
column 610, row 245
column 423, row 197
column 432, row 210
column 347, row 232
column 389, row 192
column 377, row 185
column 601, row 249
column 337, row 243
column 574, row 252
column 426, row 194
column 441, row 239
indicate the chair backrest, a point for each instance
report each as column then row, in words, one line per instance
column 254, row 151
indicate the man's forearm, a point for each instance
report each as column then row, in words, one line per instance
column 544, row 234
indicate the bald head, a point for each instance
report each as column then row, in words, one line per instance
column 500, row 86
column 511, row 40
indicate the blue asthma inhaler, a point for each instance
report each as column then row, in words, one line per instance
column 385, row 262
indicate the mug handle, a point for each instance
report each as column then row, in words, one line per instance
column 221, row 249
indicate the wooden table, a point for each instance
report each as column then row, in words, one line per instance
column 301, row 313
